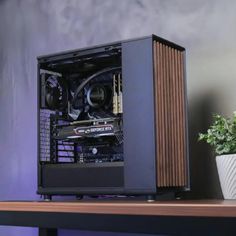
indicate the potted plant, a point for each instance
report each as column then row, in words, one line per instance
column 222, row 136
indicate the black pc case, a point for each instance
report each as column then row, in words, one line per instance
column 112, row 119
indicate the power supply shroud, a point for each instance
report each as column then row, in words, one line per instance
column 112, row 119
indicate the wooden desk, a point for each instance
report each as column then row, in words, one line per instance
column 212, row 217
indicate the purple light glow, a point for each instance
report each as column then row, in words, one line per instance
column 31, row 28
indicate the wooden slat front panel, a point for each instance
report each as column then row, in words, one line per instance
column 170, row 107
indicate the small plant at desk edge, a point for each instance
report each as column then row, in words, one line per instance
column 221, row 135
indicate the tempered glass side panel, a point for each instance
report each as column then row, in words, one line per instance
column 81, row 119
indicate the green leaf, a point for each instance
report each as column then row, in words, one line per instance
column 221, row 134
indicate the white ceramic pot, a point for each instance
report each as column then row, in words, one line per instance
column 226, row 165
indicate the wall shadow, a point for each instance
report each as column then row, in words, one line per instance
column 203, row 172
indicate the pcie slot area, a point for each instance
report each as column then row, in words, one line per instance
column 101, row 159
column 89, row 128
column 72, row 152
column 94, row 121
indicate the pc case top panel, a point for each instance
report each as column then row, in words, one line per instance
column 79, row 53
column 171, row 115
column 138, row 117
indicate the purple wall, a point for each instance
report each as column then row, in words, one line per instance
column 30, row 28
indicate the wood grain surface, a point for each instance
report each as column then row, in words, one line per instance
column 170, row 118
column 210, row 208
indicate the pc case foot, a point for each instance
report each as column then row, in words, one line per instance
column 178, row 196
column 47, row 198
column 79, row 197
column 151, row 198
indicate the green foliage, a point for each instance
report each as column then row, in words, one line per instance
column 221, row 135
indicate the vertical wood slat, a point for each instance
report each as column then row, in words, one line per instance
column 165, row 116
column 156, row 63
column 174, row 116
column 181, row 121
column 170, row 116
column 162, row 111
column 178, row 120
column 172, row 126
column 160, row 152
column 167, row 89
column 184, row 121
